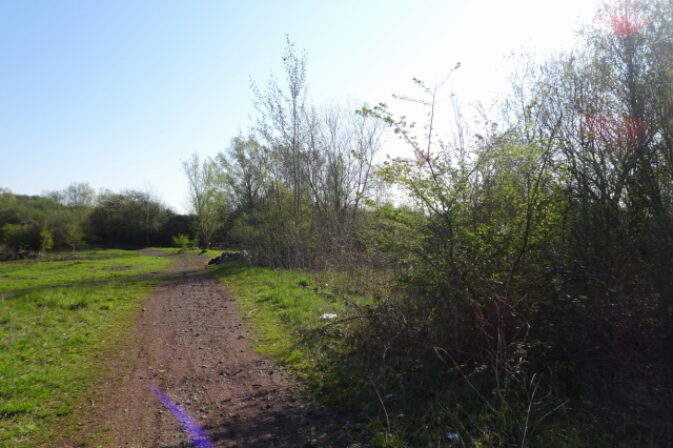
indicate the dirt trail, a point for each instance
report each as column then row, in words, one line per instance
column 191, row 342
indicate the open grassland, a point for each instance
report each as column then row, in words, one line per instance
column 59, row 320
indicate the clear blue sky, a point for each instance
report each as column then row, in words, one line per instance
column 118, row 93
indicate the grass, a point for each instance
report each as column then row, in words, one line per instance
column 58, row 318
column 285, row 308
column 176, row 250
column 281, row 305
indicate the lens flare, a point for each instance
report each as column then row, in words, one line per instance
column 623, row 18
column 615, row 133
column 193, row 430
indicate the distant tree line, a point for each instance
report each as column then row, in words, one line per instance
column 78, row 216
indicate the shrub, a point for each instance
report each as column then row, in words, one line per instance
column 183, row 242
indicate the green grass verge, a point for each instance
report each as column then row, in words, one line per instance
column 281, row 304
column 58, row 318
column 285, row 307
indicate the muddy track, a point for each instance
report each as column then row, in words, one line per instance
column 191, row 342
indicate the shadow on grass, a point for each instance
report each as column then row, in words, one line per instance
column 140, row 279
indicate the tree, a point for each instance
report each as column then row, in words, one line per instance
column 73, row 235
column 281, row 125
column 608, row 108
column 300, row 180
column 129, row 218
column 69, row 220
column 46, row 240
column 545, row 247
column 246, row 167
column 22, row 237
column 206, row 196
column 340, row 149
column 79, row 196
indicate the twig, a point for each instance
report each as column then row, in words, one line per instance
column 385, row 411
column 556, row 408
column 530, row 406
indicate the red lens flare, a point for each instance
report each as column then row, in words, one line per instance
column 623, row 18
column 615, row 133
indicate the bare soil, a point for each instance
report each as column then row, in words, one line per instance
column 192, row 343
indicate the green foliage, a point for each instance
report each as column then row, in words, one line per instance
column 21, row 237
column 73, row 235
column 270, row 229
column 77, row 216
column 63, row 215
column 183, row 242
column 296, row 186
column 538, row 255
column 46, row 240
column 129, row 218
column 207, row 197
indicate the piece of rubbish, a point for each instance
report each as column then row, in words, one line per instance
column 328, row 316
column 451, row 435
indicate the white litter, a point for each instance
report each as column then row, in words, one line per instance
column 452, row 436
column 328, row 316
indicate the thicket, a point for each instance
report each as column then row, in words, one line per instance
column 533, row 301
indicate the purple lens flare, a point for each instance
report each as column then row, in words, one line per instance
column 193, row 430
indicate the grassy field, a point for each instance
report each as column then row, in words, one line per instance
column 59, row 316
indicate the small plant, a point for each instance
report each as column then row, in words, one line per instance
column 46, row 241
column 182, row 242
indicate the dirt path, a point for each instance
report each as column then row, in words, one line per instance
column 191, row 342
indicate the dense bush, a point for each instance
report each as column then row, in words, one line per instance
column 134, row 218
column 533, row 298
column 537, row 312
